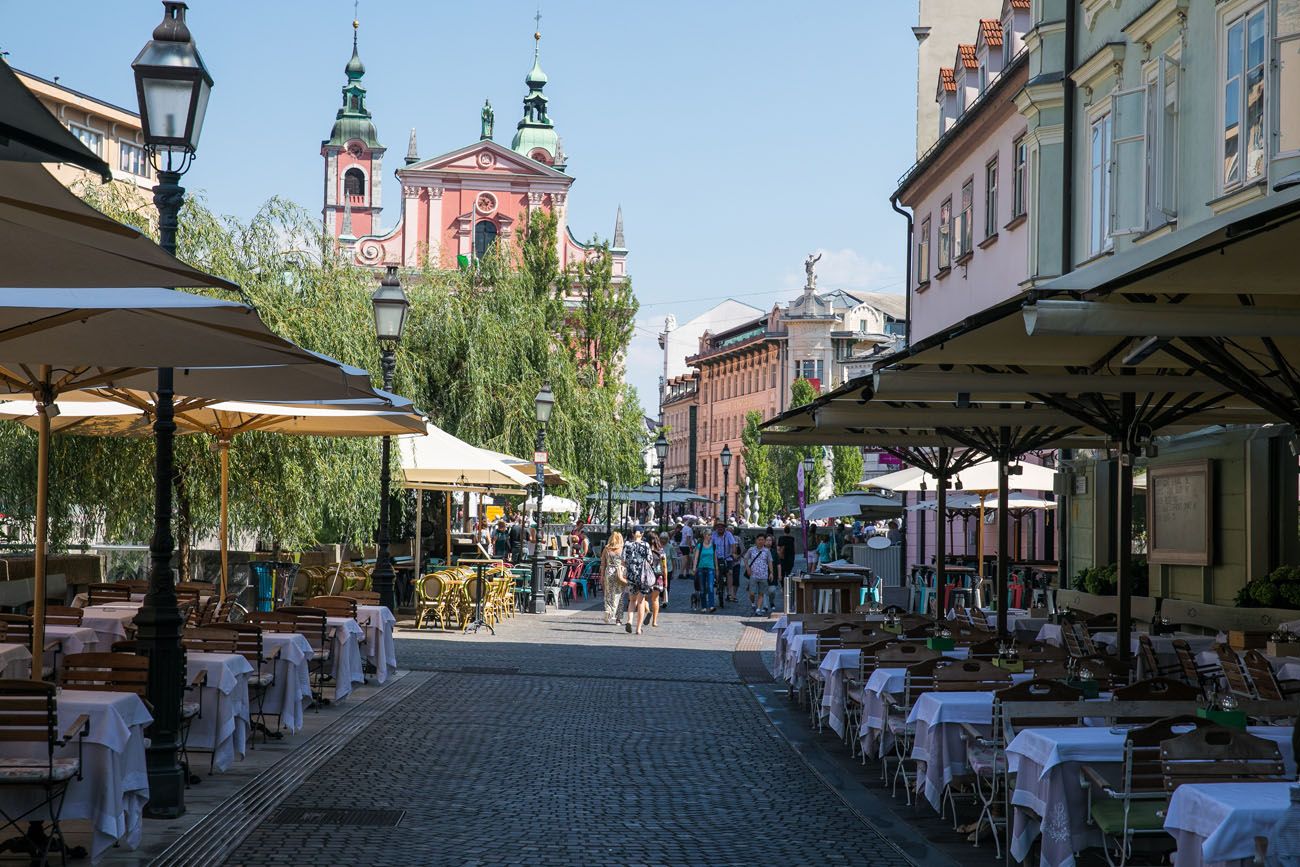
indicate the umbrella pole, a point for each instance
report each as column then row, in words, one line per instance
column 940, row 550
column 1004, row 530
column 223, row 451
column 46, row 399
column 447, row 496
column 417, row 550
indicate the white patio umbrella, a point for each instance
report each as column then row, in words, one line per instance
column 980, row 480
column 437, row 460
column 553, row 504
column 852, row 505
column 53, row 341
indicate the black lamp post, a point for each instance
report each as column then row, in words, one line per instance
column 726, row 473
column 661, row 449
column 391, row 306
column 172, row 87
column 543, row 403
column 807, row 477
column 609, row 509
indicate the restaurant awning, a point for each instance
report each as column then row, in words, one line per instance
column 441, row 462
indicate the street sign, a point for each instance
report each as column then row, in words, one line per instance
column 540, row 457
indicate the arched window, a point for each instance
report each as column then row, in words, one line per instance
column 354, row 182
column 485, row 232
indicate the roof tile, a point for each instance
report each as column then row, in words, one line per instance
column 947, row 80
column 991, row 30
column 966, row 53
column 1019, row 4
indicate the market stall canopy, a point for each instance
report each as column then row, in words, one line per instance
column 56, row 240
column 552, row 504
column 854, row 505
column 30, row 133
column 980, row 477
column 439, row 461
column 550, row 475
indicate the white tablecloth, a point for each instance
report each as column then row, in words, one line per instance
column 223, row 726
column 291, row 691
column 378, row 622
column 345, row 633
column 115, row 784
column 109, row 622
column 1046, row 762
column 73, row 639
column 15, row 661
column 938, row 717
column 794, row 652
column 1215, row 825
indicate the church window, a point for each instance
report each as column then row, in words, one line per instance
column 485, row 232
column 354, row 183
column 541, row 156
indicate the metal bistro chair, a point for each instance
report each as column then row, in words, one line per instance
column 29, row 715
column 312, row 624
column 1135, row 805
column 855, row 695
column 204, row 640
column 250, row 645
column 1216, row 754
column 918, row 680
column 429, row 602
column 17, row 629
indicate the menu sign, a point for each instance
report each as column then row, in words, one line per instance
column 1180, row 504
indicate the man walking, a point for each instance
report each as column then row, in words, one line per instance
column 758, row 575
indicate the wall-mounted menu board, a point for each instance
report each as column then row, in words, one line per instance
column 1180, row 504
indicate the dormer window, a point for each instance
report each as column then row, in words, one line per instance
column 1007, row 50
column 984, row 77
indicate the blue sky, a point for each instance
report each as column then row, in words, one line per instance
column 738, row 135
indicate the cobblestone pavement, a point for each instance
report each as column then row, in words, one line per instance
column 562, row 741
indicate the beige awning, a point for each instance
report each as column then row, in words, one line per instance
column 440, row 461
column 56, row 240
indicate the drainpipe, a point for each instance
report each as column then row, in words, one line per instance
column 1067, row 265
column 907, row 296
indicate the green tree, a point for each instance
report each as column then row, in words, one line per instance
column 605, row 312
column 788, row 458
column 760, row 467
column 846, row 468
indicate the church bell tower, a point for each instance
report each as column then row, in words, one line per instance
column 353, row 161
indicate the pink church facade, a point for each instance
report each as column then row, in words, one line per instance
column 456, row 205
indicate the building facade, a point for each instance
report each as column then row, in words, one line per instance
column 681, row 406
column 968, row 194
column 454, row 206
column 110, row 131
column 941, row 24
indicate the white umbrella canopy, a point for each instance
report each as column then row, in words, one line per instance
column 970, row 502
column 981, row 477
column 29, row 132
column 553, row 504
column 439, row 461
column 852, row 505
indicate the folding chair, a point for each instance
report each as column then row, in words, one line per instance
column 29, row 714
column 250, row 645
column 311, row 623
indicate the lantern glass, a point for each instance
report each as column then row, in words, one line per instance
column 661, row 448
column 544, row 403
column 391, row 306
column 726, row 456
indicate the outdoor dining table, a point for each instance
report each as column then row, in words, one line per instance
column 938, row 717
column 794, row 653
column 345, row 634
column 378, row 622
column 222, row 727
column 109, row 621
column 290, row 692
column 115, row 785
column 15, row 661
column 842, row 663
column 1049, row 802
column 1215, row 824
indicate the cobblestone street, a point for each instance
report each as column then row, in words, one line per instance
column 566, row 742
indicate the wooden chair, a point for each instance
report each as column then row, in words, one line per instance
column 17, row 629
column 1154, row 689
column 1201, row 676
column 1078, row 640
column 135, row 585
column 971, row 675
column 1134, row 806
column 919, row 679
column 1267, row 686
column 99, row 594
column 1111, row 673
column 986, row 649
column 363, row 597
column 63, row 615
column 986, row 755
column 29, row 715
column 1235, row 673
column 250, row 644
column 1038, row 652
column 105, row 672
column 311, row 622
column 335, row 606
column 229, row 611
column 1151, row 666
column 209, row 640
column 203, row 588
column 905, row 654
column 1215, row 754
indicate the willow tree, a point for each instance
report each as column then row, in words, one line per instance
column 788, row 458
column 760, row 466
column 846, row 468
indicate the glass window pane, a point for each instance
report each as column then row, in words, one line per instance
column 1288, row 94
column 1234, row 49
column 1255, row 39
column 1231, row 132
column 1255, row 145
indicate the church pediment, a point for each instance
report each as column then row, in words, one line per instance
column 486, row 156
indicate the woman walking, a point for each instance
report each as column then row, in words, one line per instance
column 612, row 576
column 659, row 568
column 640, row 580
column 705, row 562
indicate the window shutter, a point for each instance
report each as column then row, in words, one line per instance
column 1128, row 162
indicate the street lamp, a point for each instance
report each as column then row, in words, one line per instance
column 661, row 449
column 726, row 472
column 390, row 306
column 172, row 86
column 803, row 498
column 544, row 403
